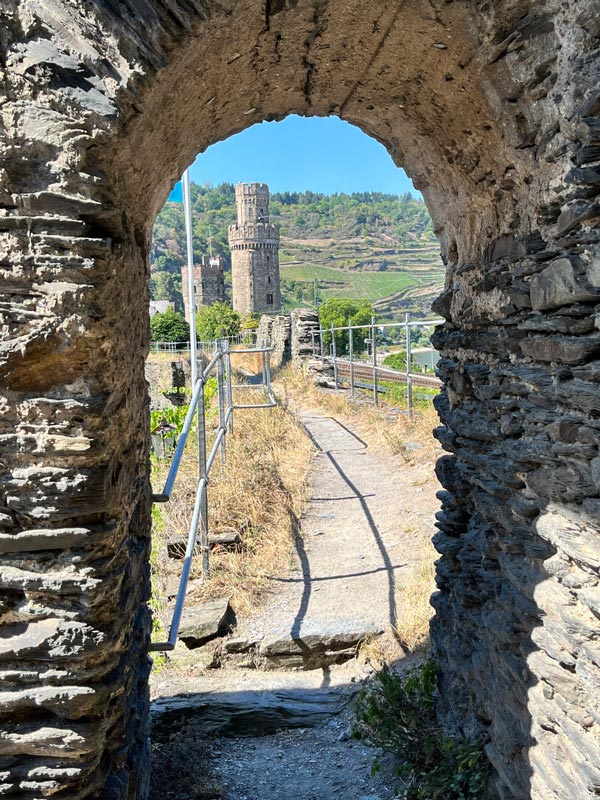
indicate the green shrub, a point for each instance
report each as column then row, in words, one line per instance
column 169, row 327
column 175, row 415
column 396, row 713
column 217, row 322
column 338, row 312
column 396, row 361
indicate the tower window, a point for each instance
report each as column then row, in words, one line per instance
column 269, row 299
column 268, row 279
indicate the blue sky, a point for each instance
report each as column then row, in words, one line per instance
column 324, row 154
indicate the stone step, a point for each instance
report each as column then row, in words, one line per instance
column 246, row 713
column 321, row 647
column 201, row 623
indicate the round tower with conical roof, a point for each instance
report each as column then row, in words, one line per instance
column 254, row 245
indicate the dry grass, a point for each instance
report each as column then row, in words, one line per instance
column 260, row 493
column 411, row 439
column 414, row 593
column 250, row 362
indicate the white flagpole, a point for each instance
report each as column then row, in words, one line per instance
column 187, row 211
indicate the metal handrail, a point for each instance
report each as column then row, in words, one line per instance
column 377, row 370
column 422, row 323
column 199, row 522
column 184, row 347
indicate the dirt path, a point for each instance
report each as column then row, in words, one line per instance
column 283, row 735
column 351, row 551
column 265, row 736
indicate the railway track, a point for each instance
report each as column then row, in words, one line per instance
column 362, row 371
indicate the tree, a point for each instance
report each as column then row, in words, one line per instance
column 338, row 312
column 163, row 286
column 396, row 361
column 169, row 327
column 217, row 322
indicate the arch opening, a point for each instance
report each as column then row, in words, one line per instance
column 493, row 111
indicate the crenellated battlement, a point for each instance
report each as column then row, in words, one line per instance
column 252, row 202
column 258, row 233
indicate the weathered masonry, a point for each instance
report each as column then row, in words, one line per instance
column 254, row 245
column 494, row 109
column 209, row 282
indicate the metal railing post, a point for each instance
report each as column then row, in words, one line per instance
column 203, row 477
column 268, row 371
column 312, row 336
column 351, row 353
column 229, row 392
column 334, row 354
column 409, row 394
column 374, row 350
column 263, row 363
column 221, row 399
column 321, row 343
column 198, row 530
column 187, row 209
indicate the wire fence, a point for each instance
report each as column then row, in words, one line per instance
column 219, row 364
column 183, row 348
column 357, row 354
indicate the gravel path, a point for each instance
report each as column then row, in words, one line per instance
column 302, row 764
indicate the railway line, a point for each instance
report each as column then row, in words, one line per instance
column 362, row 371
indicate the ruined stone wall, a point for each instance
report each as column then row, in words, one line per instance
column 304, row 322
column 493, row 108
column 278, row 331
column 290, row 335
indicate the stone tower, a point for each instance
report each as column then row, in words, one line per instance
column 254, row 245
column 209, row 283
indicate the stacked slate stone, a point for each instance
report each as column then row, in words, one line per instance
column 304, row 322
column 518, row 607
column 277, row 330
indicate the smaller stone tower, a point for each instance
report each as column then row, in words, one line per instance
column 254, row 245
column 209, row 283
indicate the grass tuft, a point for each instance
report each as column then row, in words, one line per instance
column 259, row 493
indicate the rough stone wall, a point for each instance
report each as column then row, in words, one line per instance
column 516, row 625
column 278, row 330
column 304, row 322
column 290, row 335
column 164, row 376
column 493, row 108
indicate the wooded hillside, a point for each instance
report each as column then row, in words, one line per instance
column 368, row 244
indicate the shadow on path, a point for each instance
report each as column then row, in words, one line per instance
column 376, row 534
column 299, row 543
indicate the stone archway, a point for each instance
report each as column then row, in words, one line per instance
column 493, row 109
